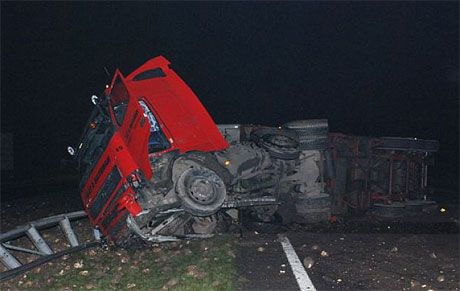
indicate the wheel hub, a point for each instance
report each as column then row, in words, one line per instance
column 202, row 190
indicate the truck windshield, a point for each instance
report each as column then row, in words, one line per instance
column 157, row 140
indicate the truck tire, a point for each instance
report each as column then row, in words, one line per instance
column 306, row 203
column 413, row 144
column 287, row 208
column 312, row 133
column 314, row 216
column 315, row 209
column 201, row 191
column 199, row 159
column 280, row 147
column 256, row 135
column 306, row 124
column 315, row 132
column 314, row 144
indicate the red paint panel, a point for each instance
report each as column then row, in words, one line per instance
column 135, row 129
column 118, row 155
column 186, row 119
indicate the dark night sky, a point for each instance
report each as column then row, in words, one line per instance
column 371, row 68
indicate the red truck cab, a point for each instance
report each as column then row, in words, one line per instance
column 149, row 113
column 155, row 165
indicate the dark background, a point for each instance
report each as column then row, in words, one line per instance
column 379, row 69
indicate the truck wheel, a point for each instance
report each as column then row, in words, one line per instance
column 314, row 144
column 309, row 129
column 201, row 191
column 321, row 201
column 313, row 209
column 256, row 135
column 280, row 147
column 408, row 144
column 199, row 160
column 306, row 124
column 319, row 132
column 312, row 216
column 287, row 209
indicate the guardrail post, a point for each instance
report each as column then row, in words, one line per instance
column 68, row 231
column 97, row 234
column 38, row 241
column 8, row 259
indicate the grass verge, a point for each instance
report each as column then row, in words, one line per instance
column 189, row 265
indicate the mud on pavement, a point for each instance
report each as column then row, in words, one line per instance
column 380, row 256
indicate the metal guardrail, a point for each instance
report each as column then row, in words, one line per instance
column 42, row 248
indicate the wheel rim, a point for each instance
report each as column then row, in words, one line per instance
column 202, row 191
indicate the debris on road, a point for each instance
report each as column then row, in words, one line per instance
column 308, row 262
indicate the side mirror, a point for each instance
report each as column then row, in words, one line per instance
column 94, row 99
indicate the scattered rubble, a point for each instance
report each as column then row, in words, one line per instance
column 308, row 262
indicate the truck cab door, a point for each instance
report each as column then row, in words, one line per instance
column 131, row 122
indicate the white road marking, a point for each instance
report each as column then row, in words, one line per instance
column 300, row 274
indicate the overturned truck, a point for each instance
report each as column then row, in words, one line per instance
column 154, row 165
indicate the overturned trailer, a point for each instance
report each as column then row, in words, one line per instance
column 386, row 175
column 154, row 166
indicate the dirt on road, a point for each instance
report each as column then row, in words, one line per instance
column 355, row 256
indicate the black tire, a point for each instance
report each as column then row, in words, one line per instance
column 256, row 135
column 307, row 203
column 280, row 147
column 314, row 132
column 314, row 144
column 309, row 129
column 307, row 124
column 413, row 144
column 201, row 191
column 205, row 160
column 287, row 208
column 314, row 216
column 389, row 211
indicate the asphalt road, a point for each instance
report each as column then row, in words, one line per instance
column 383, row 256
